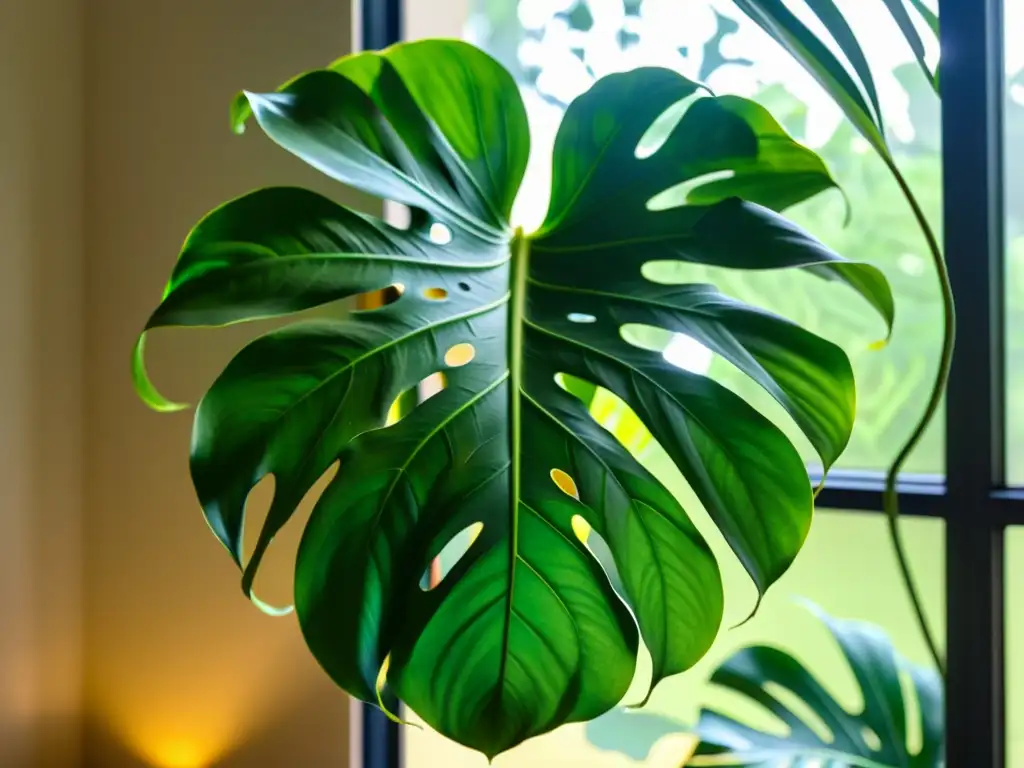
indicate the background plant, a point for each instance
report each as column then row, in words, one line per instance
column 795, row 720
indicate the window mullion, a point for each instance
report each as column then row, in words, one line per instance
column 971, row 81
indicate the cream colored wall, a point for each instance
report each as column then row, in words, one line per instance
column 40, row 381
column 179, row 669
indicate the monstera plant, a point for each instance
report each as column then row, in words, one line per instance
column 525, row 632
column 880, row 734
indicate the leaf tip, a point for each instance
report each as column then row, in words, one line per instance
column 240, row 112
column 646, row 699
column 268, row 609
column 753, row 613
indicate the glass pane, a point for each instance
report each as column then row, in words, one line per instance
column 1014, row 646
column 1014, row 174
column 556, row 48
column 847, row 568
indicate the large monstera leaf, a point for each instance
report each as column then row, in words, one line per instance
column 526, row 631
column 878, row 736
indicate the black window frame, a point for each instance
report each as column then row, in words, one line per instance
column 972, row 498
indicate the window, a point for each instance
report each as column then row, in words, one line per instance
column 955, row 492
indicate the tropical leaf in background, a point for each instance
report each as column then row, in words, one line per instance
column 850, row 84
column 807, row 725
column 526, row 630
column 878, row 736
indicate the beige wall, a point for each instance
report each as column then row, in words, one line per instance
column 179, row 669
column 119, row 612
column 40, row 380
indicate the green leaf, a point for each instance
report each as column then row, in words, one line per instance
column 930, row 17
column 901, row 16
column 778, row 21
column 577, row 551
column 875, row 737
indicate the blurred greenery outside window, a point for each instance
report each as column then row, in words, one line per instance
column 556, row 49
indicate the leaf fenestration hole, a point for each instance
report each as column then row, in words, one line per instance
column 687, row 353
column 449, row 556
column 459, row 355
column 377, row 299
column 430, row 386
column 801, row 709
column 581, row 317
column 678, row 349
column 398, row 215
column 415, row 396
column 657, row 134
column 435, row 294
column 871, row 739
column 439, row 234
column 565, row 483
column 581, row 528
column 275, row 574
column 679, row 195
column 599, row 549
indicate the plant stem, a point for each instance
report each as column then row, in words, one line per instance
column 890, row 498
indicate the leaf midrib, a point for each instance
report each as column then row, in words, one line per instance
column 520, row 262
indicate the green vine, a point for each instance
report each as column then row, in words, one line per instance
column 890, row 498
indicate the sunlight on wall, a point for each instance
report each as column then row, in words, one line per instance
column 213, row 685
column 179, row 754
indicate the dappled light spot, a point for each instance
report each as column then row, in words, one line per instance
column 440, row 234
column 801, row 709
column 657, row 134
column 449, row 556
column 580, row 317
column 459, row 355
column 565, row 483
column 435, row 294
column 678, row 195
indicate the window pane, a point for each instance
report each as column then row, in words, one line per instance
column 847, row 568
column 1014, row 646
column 556, row 48
column 1014, row 173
